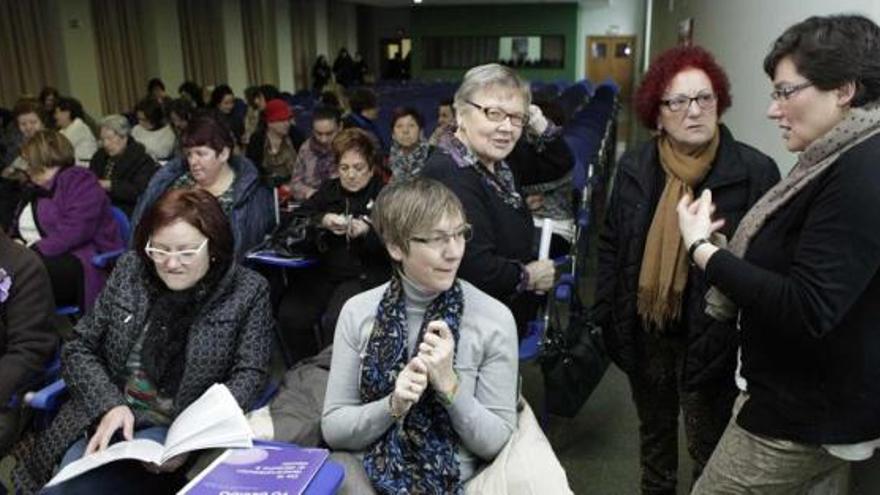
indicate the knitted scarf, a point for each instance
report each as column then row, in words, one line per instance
column 664, row 271
column 408, row 164
column 858, row 125
column 417, row 454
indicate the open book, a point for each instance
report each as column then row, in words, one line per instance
column 214, row 420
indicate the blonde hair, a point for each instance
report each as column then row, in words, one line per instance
column 489, row 76
column 47, row 149
column 412, row 206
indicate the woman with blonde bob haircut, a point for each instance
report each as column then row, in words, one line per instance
column 422, row 387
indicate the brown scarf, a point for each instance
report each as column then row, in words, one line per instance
column 664, row 265
column 858, row 125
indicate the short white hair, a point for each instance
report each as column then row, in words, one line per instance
column 486, row 76
column 118, row 124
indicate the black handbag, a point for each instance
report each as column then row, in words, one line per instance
column 298, row 238
column 573, row 359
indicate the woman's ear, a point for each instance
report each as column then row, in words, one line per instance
column 224, row 155
column 846, row 93
column 395, row 252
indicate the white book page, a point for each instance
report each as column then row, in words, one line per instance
column 139, row 449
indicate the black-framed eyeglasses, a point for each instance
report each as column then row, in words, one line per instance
column 680, row 103
column 783, row 93
column 495, row 114
column 439, row 240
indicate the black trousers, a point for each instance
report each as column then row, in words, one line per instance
column 658, row 395
column 68, row 280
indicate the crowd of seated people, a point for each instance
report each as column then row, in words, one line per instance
column 425, row 271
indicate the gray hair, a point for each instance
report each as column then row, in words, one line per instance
column 412, row 206
column 118, row 124
column 489, row 75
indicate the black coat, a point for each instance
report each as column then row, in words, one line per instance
column 363, row 257
column 739, row 176
column 130, row 175
column 809, row 294
column 504, row 237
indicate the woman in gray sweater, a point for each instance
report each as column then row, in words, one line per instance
column 423, row 382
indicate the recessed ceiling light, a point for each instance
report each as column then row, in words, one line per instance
column 417, row 1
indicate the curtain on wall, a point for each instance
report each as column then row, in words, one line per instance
column 201, row 34
column 302, row 28
column 260, row 49
column 119, row 39
column 24, row 49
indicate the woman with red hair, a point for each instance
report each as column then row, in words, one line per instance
column 648, row 302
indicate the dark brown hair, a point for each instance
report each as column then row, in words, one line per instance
column 206, row 130
column 354, row 139
column 196, row 207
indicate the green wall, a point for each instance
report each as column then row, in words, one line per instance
column 500, row 20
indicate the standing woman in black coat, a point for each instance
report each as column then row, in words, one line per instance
column 649, row 303
column 122, row 165
column 801, row 275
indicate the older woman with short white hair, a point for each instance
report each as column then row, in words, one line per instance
column 493, row 107
column 122, row 164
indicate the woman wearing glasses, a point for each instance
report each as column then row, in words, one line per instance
column 800, row 275
column 177, row 315
column 649, row 303
column 423, row 382
column 352, row 258
column 492, row 107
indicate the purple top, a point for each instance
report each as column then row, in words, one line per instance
column 76, row 219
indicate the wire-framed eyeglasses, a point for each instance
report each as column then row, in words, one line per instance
column 679, row 103
column 783, row 93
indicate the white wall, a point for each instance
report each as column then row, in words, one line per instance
column 740, row 33
column 284, row 47
column 614, row 17
column 162, row 46
column 77, row 59
column 233, row 40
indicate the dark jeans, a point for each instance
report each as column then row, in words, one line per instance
column 656, row 390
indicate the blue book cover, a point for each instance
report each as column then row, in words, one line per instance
column 267, row 468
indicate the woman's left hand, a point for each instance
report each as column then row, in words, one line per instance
column 437, row 350
column 358, row 228
column 695, row 218
column 537, row 121
column 168, row 466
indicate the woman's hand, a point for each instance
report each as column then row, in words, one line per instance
column 168, row 466
column 114, row 419
column 542, row 274
column 358, row 228
column 537, row 121
column 534, row 201
column 334, row 223
column 437, row 351
column 106, row 184
column 695, row 218
column 410, row 384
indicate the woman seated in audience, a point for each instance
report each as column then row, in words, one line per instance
column 208, row 164
column 69, row 121
column 48, row 99
column 122, row 165
column 649, row 303
column 27, row 341
column 492, row 108
column 409, row 149
column 156, row 91
column 223, row 102
column 191, row 91
column 352, row 257
column 315, row 162
column 273, row 148
column 28, row 116
column 65, row 217
column 423, row 383
column 800, row 277
column 177, row 316
column 151, row 130
column 364, row 105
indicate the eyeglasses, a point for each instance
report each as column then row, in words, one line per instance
column 357, row 168
column 680, row 103
column 495, row 114
column 783, row 93
column 439, row 240
column 184, row 257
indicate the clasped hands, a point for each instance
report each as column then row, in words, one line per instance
column 432, row 364
column 695, row 218
column 344, row 225
column 121, row 417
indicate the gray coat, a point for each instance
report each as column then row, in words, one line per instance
column 229, row 342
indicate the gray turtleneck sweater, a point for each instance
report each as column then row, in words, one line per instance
column 483, row 411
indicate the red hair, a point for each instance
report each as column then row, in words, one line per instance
column 665, row 67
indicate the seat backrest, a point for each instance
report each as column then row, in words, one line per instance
column 123, row 223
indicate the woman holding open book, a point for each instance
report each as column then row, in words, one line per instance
column 177, row 315
column 423, row 382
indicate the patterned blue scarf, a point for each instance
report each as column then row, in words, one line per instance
column 417, row 454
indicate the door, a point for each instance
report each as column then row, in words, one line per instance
column 612, row 57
